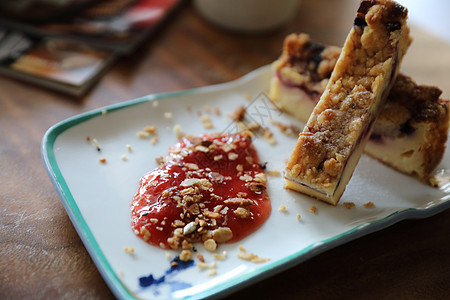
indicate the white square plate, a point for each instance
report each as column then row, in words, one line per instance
column 97, row 196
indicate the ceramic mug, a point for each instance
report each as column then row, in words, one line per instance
column 247, row 15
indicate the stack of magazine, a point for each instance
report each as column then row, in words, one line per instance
column 71, row 54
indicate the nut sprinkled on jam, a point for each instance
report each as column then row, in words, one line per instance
column 209, row 189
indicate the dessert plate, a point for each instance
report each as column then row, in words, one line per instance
column 97, row 195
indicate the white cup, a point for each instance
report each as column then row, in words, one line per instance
column 247, row 15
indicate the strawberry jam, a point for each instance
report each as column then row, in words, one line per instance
column 210, row 188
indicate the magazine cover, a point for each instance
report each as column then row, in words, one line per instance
column 119, row 25
column 60, row 64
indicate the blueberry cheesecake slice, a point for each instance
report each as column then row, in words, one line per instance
column 329, row 148
column 410, row 133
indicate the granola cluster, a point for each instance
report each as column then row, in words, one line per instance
column 218, row 182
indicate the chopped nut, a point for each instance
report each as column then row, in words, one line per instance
column 242, row 212
column 232, row 156
column 185, row 255
column 239, row 201
column 189, row 182
column 192, row 166
column 189, row 228
column 261, row 177
column 145, row 234
column 211, row 214
column 185, row 245
column 210, row 245
column 222, row 234
column 178, row 223
column 201, row 148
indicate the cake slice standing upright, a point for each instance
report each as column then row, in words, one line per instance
column 334, row 137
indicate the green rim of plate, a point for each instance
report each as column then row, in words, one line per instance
column 111, row 278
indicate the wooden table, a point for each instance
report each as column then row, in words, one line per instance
column 41, row 255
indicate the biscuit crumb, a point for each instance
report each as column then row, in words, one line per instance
column 204, row 266
column 369, row 204
column 200, row 257
column 142, row 134
column 299, row 217
column 348, row 205
column 168, row 115
column 313, row 209
column 282, row 208
column 220, row 256
column 252, row 257
column 102, row 160
column 274, row 173
column 241, row 248
column 129, row 250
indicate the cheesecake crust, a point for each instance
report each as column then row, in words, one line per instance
column 331, row 143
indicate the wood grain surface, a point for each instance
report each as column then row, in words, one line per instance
column 41, row 255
